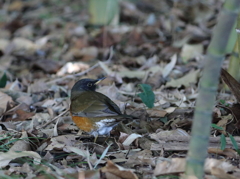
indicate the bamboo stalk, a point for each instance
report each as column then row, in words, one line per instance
column 234, row 63
column 103, row 12
column 207, row 90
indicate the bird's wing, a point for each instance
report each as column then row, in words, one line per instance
column 95, row 105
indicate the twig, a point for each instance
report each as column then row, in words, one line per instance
column 75, row 75
column 86, row 71
column 54, row 119
column 110, row 55
column 83, row 72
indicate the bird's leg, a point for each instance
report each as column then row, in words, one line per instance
column 106, row 139
column 95, row 134
column 79, row 133
column 95, row 139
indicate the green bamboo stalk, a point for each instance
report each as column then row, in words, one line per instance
column 238, row 34
column 207, row 89
column 232, row 39
column 103, row 12
column 234, row 63
column 238, row 45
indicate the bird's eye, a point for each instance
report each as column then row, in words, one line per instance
column 89, row 84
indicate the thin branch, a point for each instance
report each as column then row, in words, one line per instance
column 83, row 72
column 54, row 119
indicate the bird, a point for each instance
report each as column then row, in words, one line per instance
column 91, row 111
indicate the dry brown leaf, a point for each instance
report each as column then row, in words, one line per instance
column 227, row 152
column 168, row 68
column 3, row 44
column 25, row 99
column 4, row 100
column 59, row 142
column 7, row 157
column 232, row 84
column 211, row 163
column 224, row 121
column 72, row 67
column 16, row 6
column 130, row 139
column 23, row 115
column 191, row 77
column 170, row 109
column 48, row 66
column 23, row 44
column 37, row 86
column 221, row 174
column 85, row 54
column 122, row 137
column 92, row 174
column 177, row 165
column 191, row 51
column 117, row 171
column 14, row 86
column 156, row 113
column 170, row 166
column 55, row 145
column 177, row 132
column 22, row 144
column 143, row 157
column 40, row 118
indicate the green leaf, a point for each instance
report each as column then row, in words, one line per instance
column 217, row 127
column 164, row 120
column 223, row 142
column 3, row 80
column 147, row 95
column 233, row 142
column 222, row 101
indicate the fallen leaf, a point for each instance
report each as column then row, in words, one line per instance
column 48, row 66
column 16, row 6
column 22, row 144
column 37, row 86
column 130, row 139
column 147, row 96
column 190, row 51
column 191, row 77
column 232, row 83
column 23, row 44
column 170, row 166
column 23, row 115
column 7, row 157
column 210, row 163
column 226, row 152
column 3, row 44
column 4, row 100
column 168, row 68
column 221, row 174
column 177, row 165
column 156, row 113
column 72, row 67
column 118, row 171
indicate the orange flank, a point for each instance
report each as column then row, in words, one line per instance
column 83, row 123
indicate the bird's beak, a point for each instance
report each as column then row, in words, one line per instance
column 99, row 80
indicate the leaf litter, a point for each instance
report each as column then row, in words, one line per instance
column 45, row 47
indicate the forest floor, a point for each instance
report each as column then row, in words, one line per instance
column 47, row 45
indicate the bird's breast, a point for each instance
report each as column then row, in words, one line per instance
column 83, row 123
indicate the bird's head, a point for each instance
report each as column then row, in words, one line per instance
column 86, row 84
